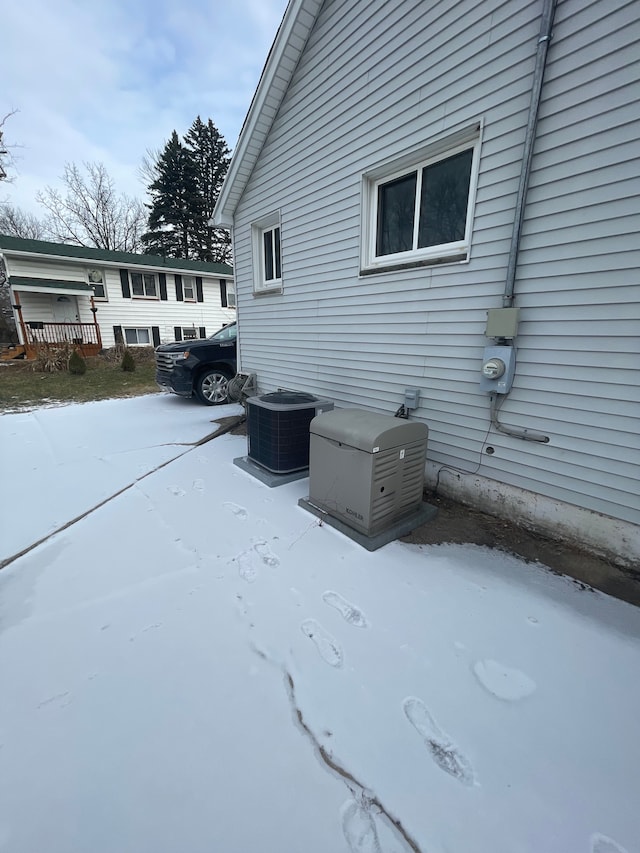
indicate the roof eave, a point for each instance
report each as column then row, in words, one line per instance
column 298, row 21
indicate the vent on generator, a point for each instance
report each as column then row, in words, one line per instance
column 278, row 429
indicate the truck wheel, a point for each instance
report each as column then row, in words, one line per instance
column 211, row 386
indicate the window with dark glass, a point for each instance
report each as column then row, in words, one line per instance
column 271, row 254
column 424, row 208
column 143, row 284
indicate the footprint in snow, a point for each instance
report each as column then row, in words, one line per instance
column 502, row 681
column 603, row 844
column 246, row 569
column 239, row 511
column 359, row 828
column 198, row 486
column 328, row 648
column 266, row 554
column 349, row 612
column 443, row 750
column 176, row 491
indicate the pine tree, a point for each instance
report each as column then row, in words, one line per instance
column 187, row 177
column 210, row 156
column 174, row 203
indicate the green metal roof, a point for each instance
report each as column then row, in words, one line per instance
column 125, row 259
column 18, row 281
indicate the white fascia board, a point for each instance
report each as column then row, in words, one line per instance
column 292, row 35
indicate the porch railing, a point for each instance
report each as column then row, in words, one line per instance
column 80, row 334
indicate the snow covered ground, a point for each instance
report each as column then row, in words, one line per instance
column 199, row 665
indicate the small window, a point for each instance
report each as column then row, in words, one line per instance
column 189, row 334
column 137, row 337
column 267, row 257
column 422, row 211
column 189, row 288
column 231, row 294
column 143, row 284
column 96, row 280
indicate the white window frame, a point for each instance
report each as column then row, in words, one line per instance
column 189, row 281
column 144, row 295
column 92, row 284
column 231, row 293
column 258, row 229
column 185, row 330
column 137, row 329
column 458, row 251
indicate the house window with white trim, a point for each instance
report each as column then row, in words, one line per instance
column 267, row 254
column 95, row 278
column 137, row 337
column 420, row 211
column 144, row 285
column 189, row 288
column 231, row 294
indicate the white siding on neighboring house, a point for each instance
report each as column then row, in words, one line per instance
column 120, row 311
column 165, row 314
column 375, row 82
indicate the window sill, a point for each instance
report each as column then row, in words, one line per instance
column 268, row 291
column 155, row 298
column 408, row 265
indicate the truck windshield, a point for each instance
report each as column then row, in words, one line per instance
column 228, row 333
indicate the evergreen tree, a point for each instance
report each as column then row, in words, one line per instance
column 187, row 177
column 210, row 156
column 174, row 203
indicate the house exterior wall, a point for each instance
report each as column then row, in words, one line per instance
column 373, row 84
column 117, row 310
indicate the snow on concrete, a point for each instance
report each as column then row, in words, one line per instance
column 199, row 665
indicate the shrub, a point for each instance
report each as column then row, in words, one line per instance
column 128, row 364
column 77, row 364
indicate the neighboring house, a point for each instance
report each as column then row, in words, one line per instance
column 373, row 196
column 97, row 298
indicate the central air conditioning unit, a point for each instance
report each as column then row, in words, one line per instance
column 278, row 429
column 367, row 470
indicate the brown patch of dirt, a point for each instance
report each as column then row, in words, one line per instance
column 235, row 425
column 457, row 523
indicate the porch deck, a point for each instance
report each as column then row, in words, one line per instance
column 85, row 338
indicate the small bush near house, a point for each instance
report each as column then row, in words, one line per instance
column 77, row 364
column 128, row 364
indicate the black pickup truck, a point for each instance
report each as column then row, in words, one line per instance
column 200, row 367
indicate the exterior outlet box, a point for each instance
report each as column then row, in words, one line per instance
column 411, row 398
column 502, row 322
column 498, row 367
column 365, row 469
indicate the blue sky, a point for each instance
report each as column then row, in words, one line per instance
column 104, row 80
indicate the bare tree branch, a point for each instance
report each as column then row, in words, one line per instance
column 18, row 223
column 91, row 212
column 6, row 157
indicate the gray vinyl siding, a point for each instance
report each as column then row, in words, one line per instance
column 419, row 70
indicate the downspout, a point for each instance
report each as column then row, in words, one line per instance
column 546, row 26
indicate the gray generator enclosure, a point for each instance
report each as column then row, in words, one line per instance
column 366, row 469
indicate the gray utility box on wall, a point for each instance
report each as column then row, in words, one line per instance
column 365, row 469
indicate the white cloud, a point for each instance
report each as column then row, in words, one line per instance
column 109, row 79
